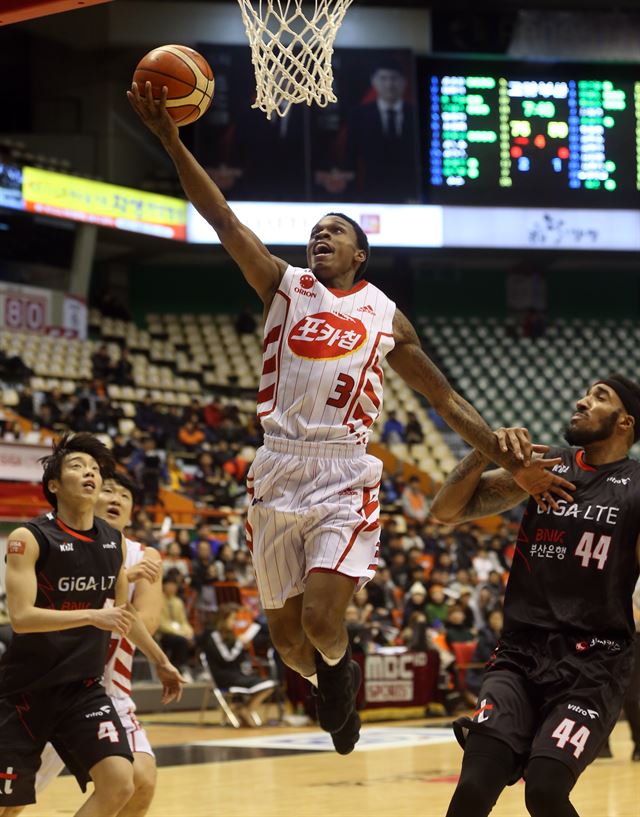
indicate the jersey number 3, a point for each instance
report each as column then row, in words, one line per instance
column 343, row 390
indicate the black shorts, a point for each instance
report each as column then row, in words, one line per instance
column 551, row 695
column 78, row 718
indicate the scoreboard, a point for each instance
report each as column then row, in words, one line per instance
column 513, row 134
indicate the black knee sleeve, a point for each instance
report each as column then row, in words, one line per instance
column 487, row 766
column 548, row 785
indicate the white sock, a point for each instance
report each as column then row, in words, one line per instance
column 312, row 679
column 331, row 661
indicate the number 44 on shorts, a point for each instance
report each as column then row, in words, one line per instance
column 563, row 734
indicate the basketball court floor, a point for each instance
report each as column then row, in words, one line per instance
column 399, row 769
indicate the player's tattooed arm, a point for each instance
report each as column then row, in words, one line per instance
column 418, row 371
column 471, row 493
column 262, row 270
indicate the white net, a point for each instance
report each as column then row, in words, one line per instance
column 291, row 48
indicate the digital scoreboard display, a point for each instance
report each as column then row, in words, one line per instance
column 504, row 133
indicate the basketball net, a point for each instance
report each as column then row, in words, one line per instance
column 291, row 50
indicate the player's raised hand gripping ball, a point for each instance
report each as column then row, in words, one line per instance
column 187, row 76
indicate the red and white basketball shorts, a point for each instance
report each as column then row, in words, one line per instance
column 313, row 506
column 52, row 764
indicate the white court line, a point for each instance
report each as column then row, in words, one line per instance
column 371, row 738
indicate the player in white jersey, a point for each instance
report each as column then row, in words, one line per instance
column 143, row 567
column 313, row 521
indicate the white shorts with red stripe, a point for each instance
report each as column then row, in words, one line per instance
column 313, row 506
column 51, row 764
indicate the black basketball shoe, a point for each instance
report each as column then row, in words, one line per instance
column 337, row 689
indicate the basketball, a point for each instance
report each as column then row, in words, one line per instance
column 187, row 75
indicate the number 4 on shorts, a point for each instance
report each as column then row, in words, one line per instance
column 107, row 729
column 563, row 735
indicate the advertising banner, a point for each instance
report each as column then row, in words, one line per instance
column 107, row 205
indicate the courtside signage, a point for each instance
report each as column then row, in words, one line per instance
column 107, row 205
column 289, row 223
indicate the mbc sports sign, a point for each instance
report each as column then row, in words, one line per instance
column 405, row 679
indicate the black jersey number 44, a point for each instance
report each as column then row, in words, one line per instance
column 575, row 568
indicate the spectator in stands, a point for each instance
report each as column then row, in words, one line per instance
column 146, row 466
column 487, row 640
column 482, row 603
column 183, row 538
column 245, row 322
column 12, row 431
column 465, row 594
column 222, row 563
column 173, row 476
column 230, row 663
column 400, row 570
column 380, row 590
column 413, row 433
column 146, row 414
column 496, row 551
column 388, row 494
column 415, row 635
column 243, row 568
column 176, row 634
column 437, row 606
column 455, row 628
column 415, row 504
column 393, row 430
column 415, row 603
column 495, row 583
column 122, row 370
column 202, row 567
column 412, row 538
column 26, row 404
column 483, row 563
column 174, row 561
column 123, row 449
column 191, row 436
column 101, row 362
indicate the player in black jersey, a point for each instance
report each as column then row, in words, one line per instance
column 553, row 688
column 66, row 593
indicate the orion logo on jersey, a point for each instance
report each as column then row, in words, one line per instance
column 327, row 336
column 306, row 282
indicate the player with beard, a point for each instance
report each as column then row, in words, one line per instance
column 553, row 688
column 313, row 523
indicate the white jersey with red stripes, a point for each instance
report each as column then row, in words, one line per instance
column 321, row 375
column 119, row 667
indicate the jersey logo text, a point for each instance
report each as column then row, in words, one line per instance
column 81, row 584
column 327, row 336
column 16, row 546
column 368, row 309
column 66, row 547
column 619, row 481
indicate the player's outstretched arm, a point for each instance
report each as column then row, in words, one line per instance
column 470, row 493
column 262, row 270
column 418, row 371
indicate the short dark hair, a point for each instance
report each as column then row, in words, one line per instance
column 129, row 484
column 70, row 443
column 361, row 240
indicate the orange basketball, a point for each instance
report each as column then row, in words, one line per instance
column 187, row 75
